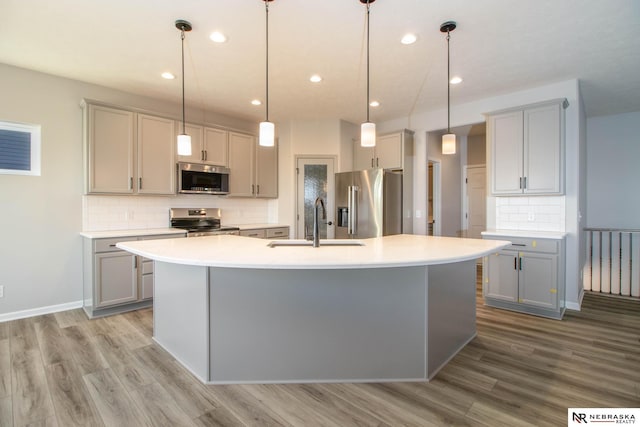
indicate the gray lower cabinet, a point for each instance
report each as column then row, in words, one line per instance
column 116, row 280
column 527, row 276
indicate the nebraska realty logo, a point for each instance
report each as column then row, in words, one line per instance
column 602, row 416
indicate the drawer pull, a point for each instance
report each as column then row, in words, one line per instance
column 113, row 245
column 518, row 244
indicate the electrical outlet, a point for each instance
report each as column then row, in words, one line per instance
column 1, row 291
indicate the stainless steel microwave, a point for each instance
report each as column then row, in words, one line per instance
column 196, row 178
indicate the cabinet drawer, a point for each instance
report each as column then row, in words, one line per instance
column 530, row 245
column 109, row 245
column 162, row 236
column 147, row 266
column 277, row 233
column 258, row 233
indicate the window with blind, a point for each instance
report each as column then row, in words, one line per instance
column 19, row 149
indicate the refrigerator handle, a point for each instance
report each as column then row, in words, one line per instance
column 353, row 208
column 349, row 210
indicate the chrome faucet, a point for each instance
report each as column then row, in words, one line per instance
column 316, row 233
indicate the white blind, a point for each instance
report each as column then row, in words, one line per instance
column 15, row 150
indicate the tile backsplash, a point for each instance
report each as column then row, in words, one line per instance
column 138, row 212
column 543, row 213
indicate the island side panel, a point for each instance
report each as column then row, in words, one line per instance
column 318, row 325
column 452, row 311
column 181, row 314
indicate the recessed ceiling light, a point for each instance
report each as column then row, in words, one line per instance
column 315, row 78
column 256, row 102
column 374, row 104
column 218, row 37
column 455, row 80
column 409, row 38
column 167, row 75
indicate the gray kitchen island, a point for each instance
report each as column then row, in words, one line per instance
column 239, row 310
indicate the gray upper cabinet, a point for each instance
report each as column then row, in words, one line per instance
column 392, row 151
column 253, row 169
column 109, row 149
column 156, row 142
column 526, row 148
column 196, row 132
column 208, row 145
column 128, row 152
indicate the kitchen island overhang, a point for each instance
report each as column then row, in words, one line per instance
column 397, row 308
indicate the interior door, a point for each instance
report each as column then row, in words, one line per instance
column 315, row 178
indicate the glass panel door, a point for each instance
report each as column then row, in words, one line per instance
column 315, row 179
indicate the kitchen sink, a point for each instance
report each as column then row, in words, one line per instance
column 309, row 243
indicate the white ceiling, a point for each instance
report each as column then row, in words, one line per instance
column 500, row 46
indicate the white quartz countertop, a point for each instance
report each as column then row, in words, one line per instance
column 131, row 233
column 558, row 235
column 245, row 252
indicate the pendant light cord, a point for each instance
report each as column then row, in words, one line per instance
column 367, row 60
column 448, row 87
column 184, row 132
column 266, row 4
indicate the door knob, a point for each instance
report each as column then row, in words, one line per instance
column 330, row 223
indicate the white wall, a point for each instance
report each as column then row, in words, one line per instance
column 40, row 216
column 476, row 149
column 613, row 164
column 325, row 137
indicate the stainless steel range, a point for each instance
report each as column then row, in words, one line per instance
column 200, row 222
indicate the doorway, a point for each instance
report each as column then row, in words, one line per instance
column 434, row 199
column 314, row 178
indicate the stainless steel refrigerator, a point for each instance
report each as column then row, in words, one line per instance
column 368, row 203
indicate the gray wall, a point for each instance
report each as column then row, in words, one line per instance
column 476, row 149
column 613, row 165
column 40, row 216
column 450, row 183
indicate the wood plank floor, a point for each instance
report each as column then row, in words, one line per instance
column 64, row 370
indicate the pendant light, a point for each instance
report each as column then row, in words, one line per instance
column 184, row 140
column 449, row 139
column 368, row 129
column 267, row 128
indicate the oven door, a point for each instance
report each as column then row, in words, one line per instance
column 195, row 178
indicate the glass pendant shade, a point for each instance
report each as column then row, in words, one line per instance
column 267, row 134
column 449, row 143
column 184, row 145
column 368, row 134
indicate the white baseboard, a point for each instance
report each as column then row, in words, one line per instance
column 39, row 311
column 576, row 305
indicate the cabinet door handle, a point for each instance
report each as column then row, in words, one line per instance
column 372, row 162
column 515, row 262
column 135, row 262
column 202, row 155
column 377, row 164
column 206, row 154
column 520, row 183
column 258, row 189
column 520, row 264
column 253, row 189
column 140, row 183
column 525, row 182
column 131, row 183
